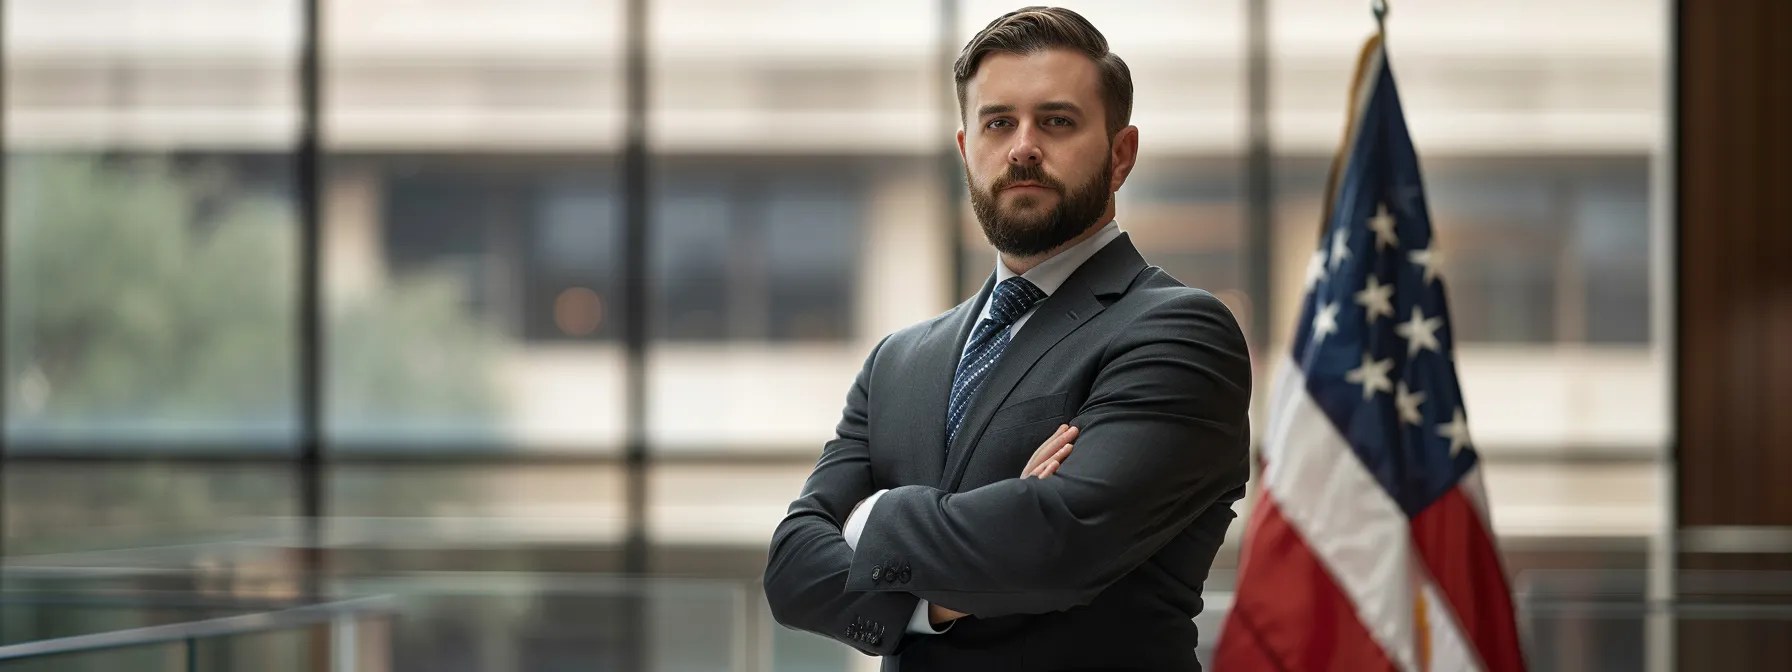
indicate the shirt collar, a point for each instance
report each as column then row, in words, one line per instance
column 1050, row 274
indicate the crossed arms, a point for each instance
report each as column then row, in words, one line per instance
column 1161, row 437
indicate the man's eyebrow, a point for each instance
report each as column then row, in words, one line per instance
column 1047, row 106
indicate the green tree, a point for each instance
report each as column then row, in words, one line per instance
column 149, row 302
column 137, row 300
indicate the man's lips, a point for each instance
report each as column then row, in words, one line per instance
column 1026, row 185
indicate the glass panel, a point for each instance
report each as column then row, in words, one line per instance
column 472, row 220
column 58, row 516
column 151, row 251
column 290, row 650
column 159, row 658
column 499, row 621
column 796, row 212
column 798, row 651
column 721, row 504
column 479, row 507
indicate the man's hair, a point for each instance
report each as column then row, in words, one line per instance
column 1034, row 29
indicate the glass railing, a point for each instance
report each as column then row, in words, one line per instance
column 542, row 621
column 71, row 633
column 99, row 619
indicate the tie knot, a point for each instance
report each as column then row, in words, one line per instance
column 1013, row 298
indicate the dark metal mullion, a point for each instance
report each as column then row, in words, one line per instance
column 5, row 159
column 635, row 261
column 1259, row 186
column 634, row 264
column 950, row 164
column 308, row 176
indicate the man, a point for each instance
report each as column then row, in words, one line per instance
column 948, row 525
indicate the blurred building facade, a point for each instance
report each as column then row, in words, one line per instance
column 802, row 205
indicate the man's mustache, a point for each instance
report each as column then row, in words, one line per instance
column 1018, row 174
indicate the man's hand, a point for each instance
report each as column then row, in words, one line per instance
column 937, row 614
column 1050, row 454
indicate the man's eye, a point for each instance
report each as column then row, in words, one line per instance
column 998, row 123
column 1059, row 121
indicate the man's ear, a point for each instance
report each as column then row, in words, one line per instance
column 961, row 144
column 1124, row 154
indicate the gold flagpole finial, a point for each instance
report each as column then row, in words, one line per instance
column 1380, row 9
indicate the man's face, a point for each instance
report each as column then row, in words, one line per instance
column 1040, row 165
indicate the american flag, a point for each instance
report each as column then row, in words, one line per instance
column 1370, row 547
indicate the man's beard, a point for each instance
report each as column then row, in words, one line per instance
column 1027, row 235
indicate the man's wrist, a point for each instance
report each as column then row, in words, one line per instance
column 922, row 623
column 938, row 615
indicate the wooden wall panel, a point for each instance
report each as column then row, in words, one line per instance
column 1735, row 272
column 1734, row 336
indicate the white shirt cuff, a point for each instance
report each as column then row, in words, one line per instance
column 921, row 624
column 918, row 623
column 855, row 523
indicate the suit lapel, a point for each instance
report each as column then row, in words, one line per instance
column 1076, row 302
column 937, row 364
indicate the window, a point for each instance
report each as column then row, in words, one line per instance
column 151, row 252
column 472, row 225
column 756, row 255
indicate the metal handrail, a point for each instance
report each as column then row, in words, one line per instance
column 188, row 632
column 143, row 600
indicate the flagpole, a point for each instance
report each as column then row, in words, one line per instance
column 1420, row 611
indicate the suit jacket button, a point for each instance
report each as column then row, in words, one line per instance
column 904, row 575
column 877, row 572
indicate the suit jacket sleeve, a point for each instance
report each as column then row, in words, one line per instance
column 1164, row 436
column 805, row 576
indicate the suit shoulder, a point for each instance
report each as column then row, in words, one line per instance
column 911, row 335
column 1159, row 294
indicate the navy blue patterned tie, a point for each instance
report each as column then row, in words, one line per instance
column 1010, row 300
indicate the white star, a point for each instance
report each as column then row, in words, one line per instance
column 1326, row 322
column 1408, row 402
column 1340, row 247
column 1426, row 259
column 1315, row 269
column 1372, row 375
column 1383, row 224
column 1420, row 332
column 1376, row 299
column 1456, row 430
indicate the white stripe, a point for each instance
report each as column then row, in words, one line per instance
column 1476, row 492
column 1450, row 650
column 1357, row 531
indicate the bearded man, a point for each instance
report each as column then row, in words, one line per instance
column 948, row 526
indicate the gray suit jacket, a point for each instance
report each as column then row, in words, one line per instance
column 1099, row 566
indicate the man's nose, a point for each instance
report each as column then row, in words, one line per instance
column 1025, row 151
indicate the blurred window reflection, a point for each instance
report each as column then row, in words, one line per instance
column 471, row 225
column 756, row 254
column 150, row 241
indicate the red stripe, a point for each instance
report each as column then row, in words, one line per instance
column 1287, row 613
column 1461, row 557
